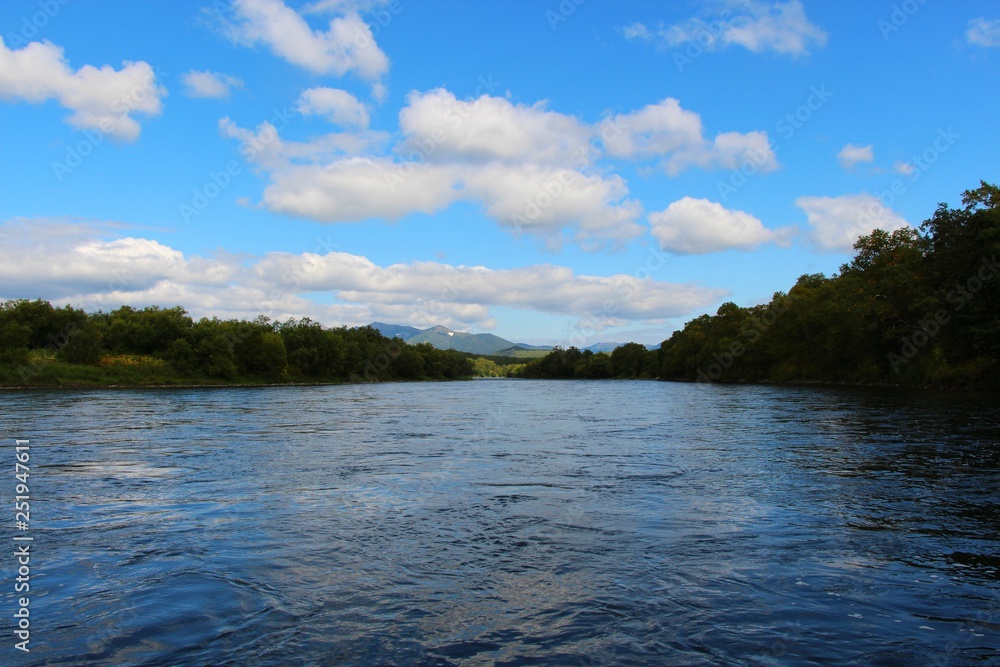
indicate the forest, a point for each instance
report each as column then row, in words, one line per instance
column 913, row 307
column 41, row 345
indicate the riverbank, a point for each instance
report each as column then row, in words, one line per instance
column 62, row 375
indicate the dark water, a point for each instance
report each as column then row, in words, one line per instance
column 508, row 523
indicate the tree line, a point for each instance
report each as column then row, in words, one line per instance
column 44, row 345
column 913, row 307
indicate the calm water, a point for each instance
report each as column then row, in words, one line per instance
column 508, row 523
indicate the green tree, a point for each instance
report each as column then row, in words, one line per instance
column 629, row 360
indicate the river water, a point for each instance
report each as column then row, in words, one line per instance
column 507, row 523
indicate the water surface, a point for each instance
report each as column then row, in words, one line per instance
column 509, row 523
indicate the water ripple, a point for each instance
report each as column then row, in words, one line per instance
column 512, row 523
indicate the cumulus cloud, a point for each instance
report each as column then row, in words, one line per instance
column 904, row 168
column 337, row 106
column 264, row 146
column 697, row 226
column 535, row 171
column 729, row 150
column 850, row 155
column 97, row 266
column 347, row 45
column 101, row 98
column 210, row 85
column 756, row 25
column 543, row 288
column 489, row 128
column 542, row 200
column 656, row 130
column 837, row 222
column 983, row 32
column 53, row 258
column 675, row 135
column 359, row 188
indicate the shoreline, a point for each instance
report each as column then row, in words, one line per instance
column 261, row 385
column 248, row 385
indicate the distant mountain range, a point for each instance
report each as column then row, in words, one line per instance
column 484, row 343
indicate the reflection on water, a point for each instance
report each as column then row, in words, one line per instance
column 512, row 523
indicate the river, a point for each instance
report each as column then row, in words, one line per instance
column 507, row 523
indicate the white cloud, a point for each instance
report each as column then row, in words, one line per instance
column 95, row 266
column 102, row 98
column 347, row 45
column 668, row 131
column 850, row 155
column 698, row 226
column 904, row 168
column 488, row 128
column 265, row 147
column 359, row 188
column 528, row 198
column 535, row 171
column 756, row 25
column 209, row 84
column 543, row 200
column 636, row 30
column 837, row 222
column 345, row 6
column 729, row 150
column 655, row 130
column 543, row 288
column 983, row 32
column 338, row 106
column 69, row 258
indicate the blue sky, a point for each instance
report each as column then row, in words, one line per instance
column 553, row 172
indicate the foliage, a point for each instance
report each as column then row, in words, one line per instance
column 570, row 364
column 919, row 308
column 44, row 345
column 496, row 367
column 912, row 307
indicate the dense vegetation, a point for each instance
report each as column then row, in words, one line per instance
column 631, row 360
column 495, row 366
column 912, row 307
column 44, row 345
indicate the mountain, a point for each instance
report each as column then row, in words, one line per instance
column 603, row 347
column 395, row 330
column 519, row 352
column 526, row 346
column 445, row 339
